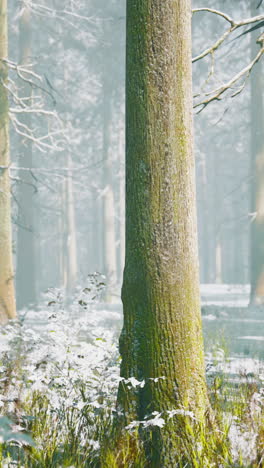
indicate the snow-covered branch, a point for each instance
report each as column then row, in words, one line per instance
column 217, row 93
column 234, row 25
column 240, row 78
column 40, row 141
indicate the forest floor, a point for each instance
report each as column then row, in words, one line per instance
column 59, row 372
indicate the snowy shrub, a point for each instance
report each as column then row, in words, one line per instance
column 59, row 374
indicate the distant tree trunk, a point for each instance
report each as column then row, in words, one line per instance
column 68, row 265
column 257, row 171
column 25, row 271
column 161, row 336
column 109, row 235
column 204, row 234
column 68, row 260
column 213, row 217
column 121, row 201
column 63, row 236
column 218, row 262
column 238, row 247
column 7, row 295
column 71, row 248
column 96, row 250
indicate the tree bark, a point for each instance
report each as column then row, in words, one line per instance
column 7, row 295
column 162, row 335
column 25, row 271
column 257, row 173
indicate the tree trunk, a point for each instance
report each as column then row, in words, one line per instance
column 7, row 295
column 61, row 236
column 161, row 336
column 64, row 237
column 204, row 225
column 257, row 172
column 121, row 201
column 69, row 262
column 25, row 271
column 218, row 262
column 109, row 235
column 68, row 265
column 71, row 247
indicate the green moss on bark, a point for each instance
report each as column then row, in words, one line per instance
column 162, row 334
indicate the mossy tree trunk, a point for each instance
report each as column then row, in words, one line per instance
column 162, row 335
column 7, row 297
column 257, row 174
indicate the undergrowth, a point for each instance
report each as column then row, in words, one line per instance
column 58, row 386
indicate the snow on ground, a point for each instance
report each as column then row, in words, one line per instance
column 94, row 322
column 228, row 295
column 62, row 345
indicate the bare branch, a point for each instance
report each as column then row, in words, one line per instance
column 216, row 12
column 30, row 110
column 215, row 46
column 254, row 19
column 64, row 12
column 55, row 170
column 217, row 93
column 27, row 76
column 23, row 130
column 14, row 66
column 233, row 26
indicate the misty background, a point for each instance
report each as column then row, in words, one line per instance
column 68, row 176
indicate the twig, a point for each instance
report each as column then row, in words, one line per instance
column 233, row 26
column 217, row 93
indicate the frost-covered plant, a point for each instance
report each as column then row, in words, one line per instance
column 59, row 373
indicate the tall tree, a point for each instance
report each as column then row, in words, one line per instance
column 257, row 171
column 69, row 246
column 161, row 337
column 25, row 272
column 7, row 297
